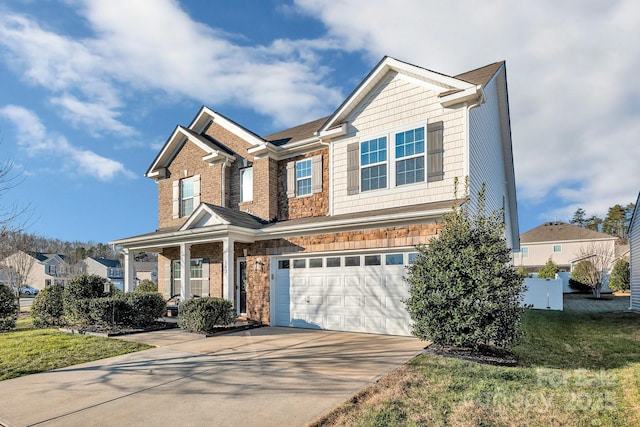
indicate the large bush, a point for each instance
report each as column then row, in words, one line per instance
column 9, row 308
column 620, row 276
column 47, row 308
column 204, row 314
column 146, row 307
column 464, row 289
column 146, row 286
column 76, row 296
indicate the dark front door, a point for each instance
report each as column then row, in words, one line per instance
column 242, row 286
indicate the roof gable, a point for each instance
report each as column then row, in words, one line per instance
column 211, row 215
column 215, row 151
column 561, row 232
column 452, row 90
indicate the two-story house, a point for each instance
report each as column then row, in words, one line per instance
column 109, row 268
column 313, row 226
column 37, row 269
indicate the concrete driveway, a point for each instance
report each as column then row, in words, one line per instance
column 265, row 377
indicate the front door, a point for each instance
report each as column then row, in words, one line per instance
column 241, row 286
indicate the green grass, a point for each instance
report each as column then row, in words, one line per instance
column 27, row 350
column 574, row 369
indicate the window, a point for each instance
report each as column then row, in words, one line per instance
column 315, row 263
column 557, row 248
column 413, row 256
column 283, row 264
column 303, row 177
column 186, row 196
column 246, row 184
column 195, row 276
column 333, row 261
column 299, row 263
column 372, row 260
column 373, row 163
column 524, row 252
column 394, row 259
column 410, row 156
column 352, row 261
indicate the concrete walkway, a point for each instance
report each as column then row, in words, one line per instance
column 265, row 377
column 585, row 303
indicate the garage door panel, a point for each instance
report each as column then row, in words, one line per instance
column 355, row 298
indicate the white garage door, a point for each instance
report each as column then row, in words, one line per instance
column 357, row 293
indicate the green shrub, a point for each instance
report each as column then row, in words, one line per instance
column 464, row 290
column 146, row 307
column 110, row 310
column 76, row 296
column 620, row 276
column 549, row 270
column 47, row 309
column 146, row 286
column 9, row 308
column 204, row 314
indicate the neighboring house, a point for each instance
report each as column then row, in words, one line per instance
column 313, row 226
column 109, row 268
column 634, row 257
column 39, row 269
column 146, row 270
column 560, row 242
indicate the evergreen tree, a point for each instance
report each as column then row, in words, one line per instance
column 615, row 222
column 579, row 218
column 464, row 289
column 549, row 271
column 593, row 223
column 620, row 276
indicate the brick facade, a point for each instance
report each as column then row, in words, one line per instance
column 303, row 206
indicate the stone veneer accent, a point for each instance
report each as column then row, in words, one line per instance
column 304, row 206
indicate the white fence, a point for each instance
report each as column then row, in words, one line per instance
column 544, row 294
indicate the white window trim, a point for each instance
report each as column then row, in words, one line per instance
column 244, row 197
column 309, row 177
column 392, row 160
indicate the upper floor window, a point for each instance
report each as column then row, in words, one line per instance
column 557, row 248
column 186, row 196
column 246, row 184
column 417, row 156
column 373, row 164
column 303, row 177
column 410, row 156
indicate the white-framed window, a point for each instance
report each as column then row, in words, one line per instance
column 246, row 184
column 410, row 156
column 416, row 155
column 524, row 252
column 195, row 275
column 303, row 177
column 186, row 196
column 557, row 248
column 373, row 164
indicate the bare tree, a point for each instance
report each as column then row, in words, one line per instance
column 17, row 266
column 595, row 260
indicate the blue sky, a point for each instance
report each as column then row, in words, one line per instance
column 90, row 90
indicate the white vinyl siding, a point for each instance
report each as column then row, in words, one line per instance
column 634, row 258
column 396, row 105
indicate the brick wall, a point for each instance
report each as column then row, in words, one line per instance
column 304, row 206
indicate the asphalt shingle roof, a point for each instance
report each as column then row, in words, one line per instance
column 560, row 231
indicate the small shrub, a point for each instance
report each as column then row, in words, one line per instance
column 146, row 307
column 522, row 272
column 579, row 286
column 77, row 309
column 146, row 286
column 9, row 308
column 47, row 309
column 204, row 314
column 549, row 270
column 110, row 310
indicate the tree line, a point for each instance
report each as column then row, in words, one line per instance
column 615, row 223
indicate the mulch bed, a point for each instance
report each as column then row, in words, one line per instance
column 485, row 355
column 114, row 331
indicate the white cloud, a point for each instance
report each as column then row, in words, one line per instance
column 33, row 137
column 571, row 67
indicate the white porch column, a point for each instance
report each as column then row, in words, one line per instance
column 227, row 269
column 185, row 271
column 129, row 270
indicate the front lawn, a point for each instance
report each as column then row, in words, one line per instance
column 27, row 350
column 575, row 369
